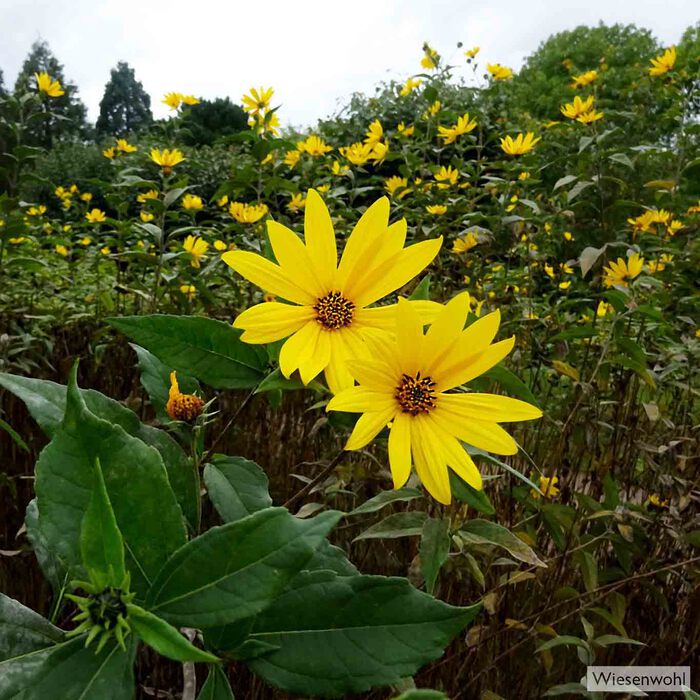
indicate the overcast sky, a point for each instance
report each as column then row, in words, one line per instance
column 313, row 52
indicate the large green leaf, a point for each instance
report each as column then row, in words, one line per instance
column 101, row 543
column 384, row 498
column 480, row 531
column 46, row 402
column 338, row 635
column 216, row 687
column 434, row 549
column 405, row 524
column 145, row 508
column 236, row 570
column 53, row 568
column 237, row 487
column 211, row 351
column 462, row 491
column 22, row 630
column 69, row 670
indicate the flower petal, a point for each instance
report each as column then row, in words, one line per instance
column 400, row 449
column 298, row 349
column 268, row 276
column 359, row 399
column 409, row 337
column 429, row 460
column 320, row 239
column 446, row 330
column 318, row 359
column 472, row 366
column 490, row 407
column 368, row 426
column 271, row 321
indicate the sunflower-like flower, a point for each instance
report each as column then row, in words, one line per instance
column 257, row 100
column 548, row 488
column 573, row 110
column 125, row 147
column 172, row 99
column 521, row 144
column 95, row 216
column 192, row 202
column 183, row 407
column 621, row 272
column 314, row 146
column 46, row 84
column 406, row 383
column 329, row 314
column 663, row 63
column 409, row 86
column 167, row 158
column 197, row 248
column 247, row 213
column 590, row 117
column 464, row 125
column 499, row 72
column 374, row 133
column 579, row 81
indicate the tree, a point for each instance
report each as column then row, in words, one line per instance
column 210, row 120
column 3, row 92
column 67, row 117
column 125, row 106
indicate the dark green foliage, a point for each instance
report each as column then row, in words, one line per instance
column 68, row 114
column 210, row 120
column 125, row 106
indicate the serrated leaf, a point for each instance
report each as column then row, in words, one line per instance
column 22, row 630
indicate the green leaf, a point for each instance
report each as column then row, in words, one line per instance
column 198, row 587
column 397, row 525
column 46, row 402
column 216, row 687
column 237, row 487
column 211, row 351
column 485, row 532
column 101, row 543
column 422, row 694
column 339, row 635
column 589, row 570
column 52, row 567
column 275, row 381
column 69, row 670
column 567, row 689
column 22, row 630
column 462, row 491
column 563, row 640
column 563, row 181
column 385, row 498
column 164, row 638
column 144, row 505
column 155, row 379
column 588, row 258
column 422, row 290
column 512, row 384
column 434, row 549
column 608, row 639
column 16, row 437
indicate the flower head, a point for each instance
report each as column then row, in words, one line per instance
column 575, row 109
column 172, row 100
column 590, row 117
column 146, row 216
column 61, row 250
column 431, row 58
column 409, row 86
column 405, row 130
column 247, row 213
column 257, row 100
column 463, row 126
column 436, row 209
column 189, row 100
column 291, row 158
column 499, row 72
column 406, row 382
column 125, row 147
column 192, row 202
column 471, row 53
column 296, row 203
column 465, row 243
column 182, row 407
column 189, row 291
column 110, row 152
column 521, row 144
column 663, row 63
column 375, row 133
column 314, row 146
column 46, row 84
column 621, row 272
column 197, row 248
column 579, row 81
column 358, row 153
column 96, row 216
column 330, row 311
column 167, row 158
column 145, row 196
column 446, row 177
column 395, row 184
column 548, row 488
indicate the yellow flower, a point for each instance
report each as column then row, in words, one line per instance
column 323, row 188
column 96, row 216
column 620, row 273
column 446, row 177
column 406, row 383
column 520, row 145
column 375, row 133
column 222, row 201
column 674, row 226
column 220, row 245
column 499, row 72
column 109, row 152
column 125, row 147
column 328, row 315
column 568, row 236
column 167, row 159
column 50, row 87
column 548, row 488
column 182, row 407
column 358, row 153
column 579, row 81
column 61, row 192
column 430, row 58
column 663, row 63
column 463, row 126
column 604, row 309
column 145, row 196
column 190, row 100
column 291, row 158
column 257, row 100
column 247, row 213
column 197, row 248
column 434, row 108
column 551, row 123
column 296, row 203
column 314, row 146
column 379, row 151
column 549, row 270
column 105, row 250
column 410, row 85
column 338, row 169
column 465, row 243
column 269, row 123
column 471, row 53
column 565, row 285
column 189, row 290
column 172, row 99
column 85, row 241
column 573, row 110
column 654, row 502
column 396, row 183
column 17, row 240
column 405, row 130
column 86, row 196
column 146, row 216
column 436, row 209
column 524, row 175
column 192, row 202
column 61, row 250
column 37, row 211
column 660, row 264
column 590, row 117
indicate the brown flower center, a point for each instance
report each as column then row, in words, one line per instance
column 416, row 394
column 184, row 407
column 334, row 311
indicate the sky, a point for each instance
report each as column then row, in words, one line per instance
column 315, row 53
